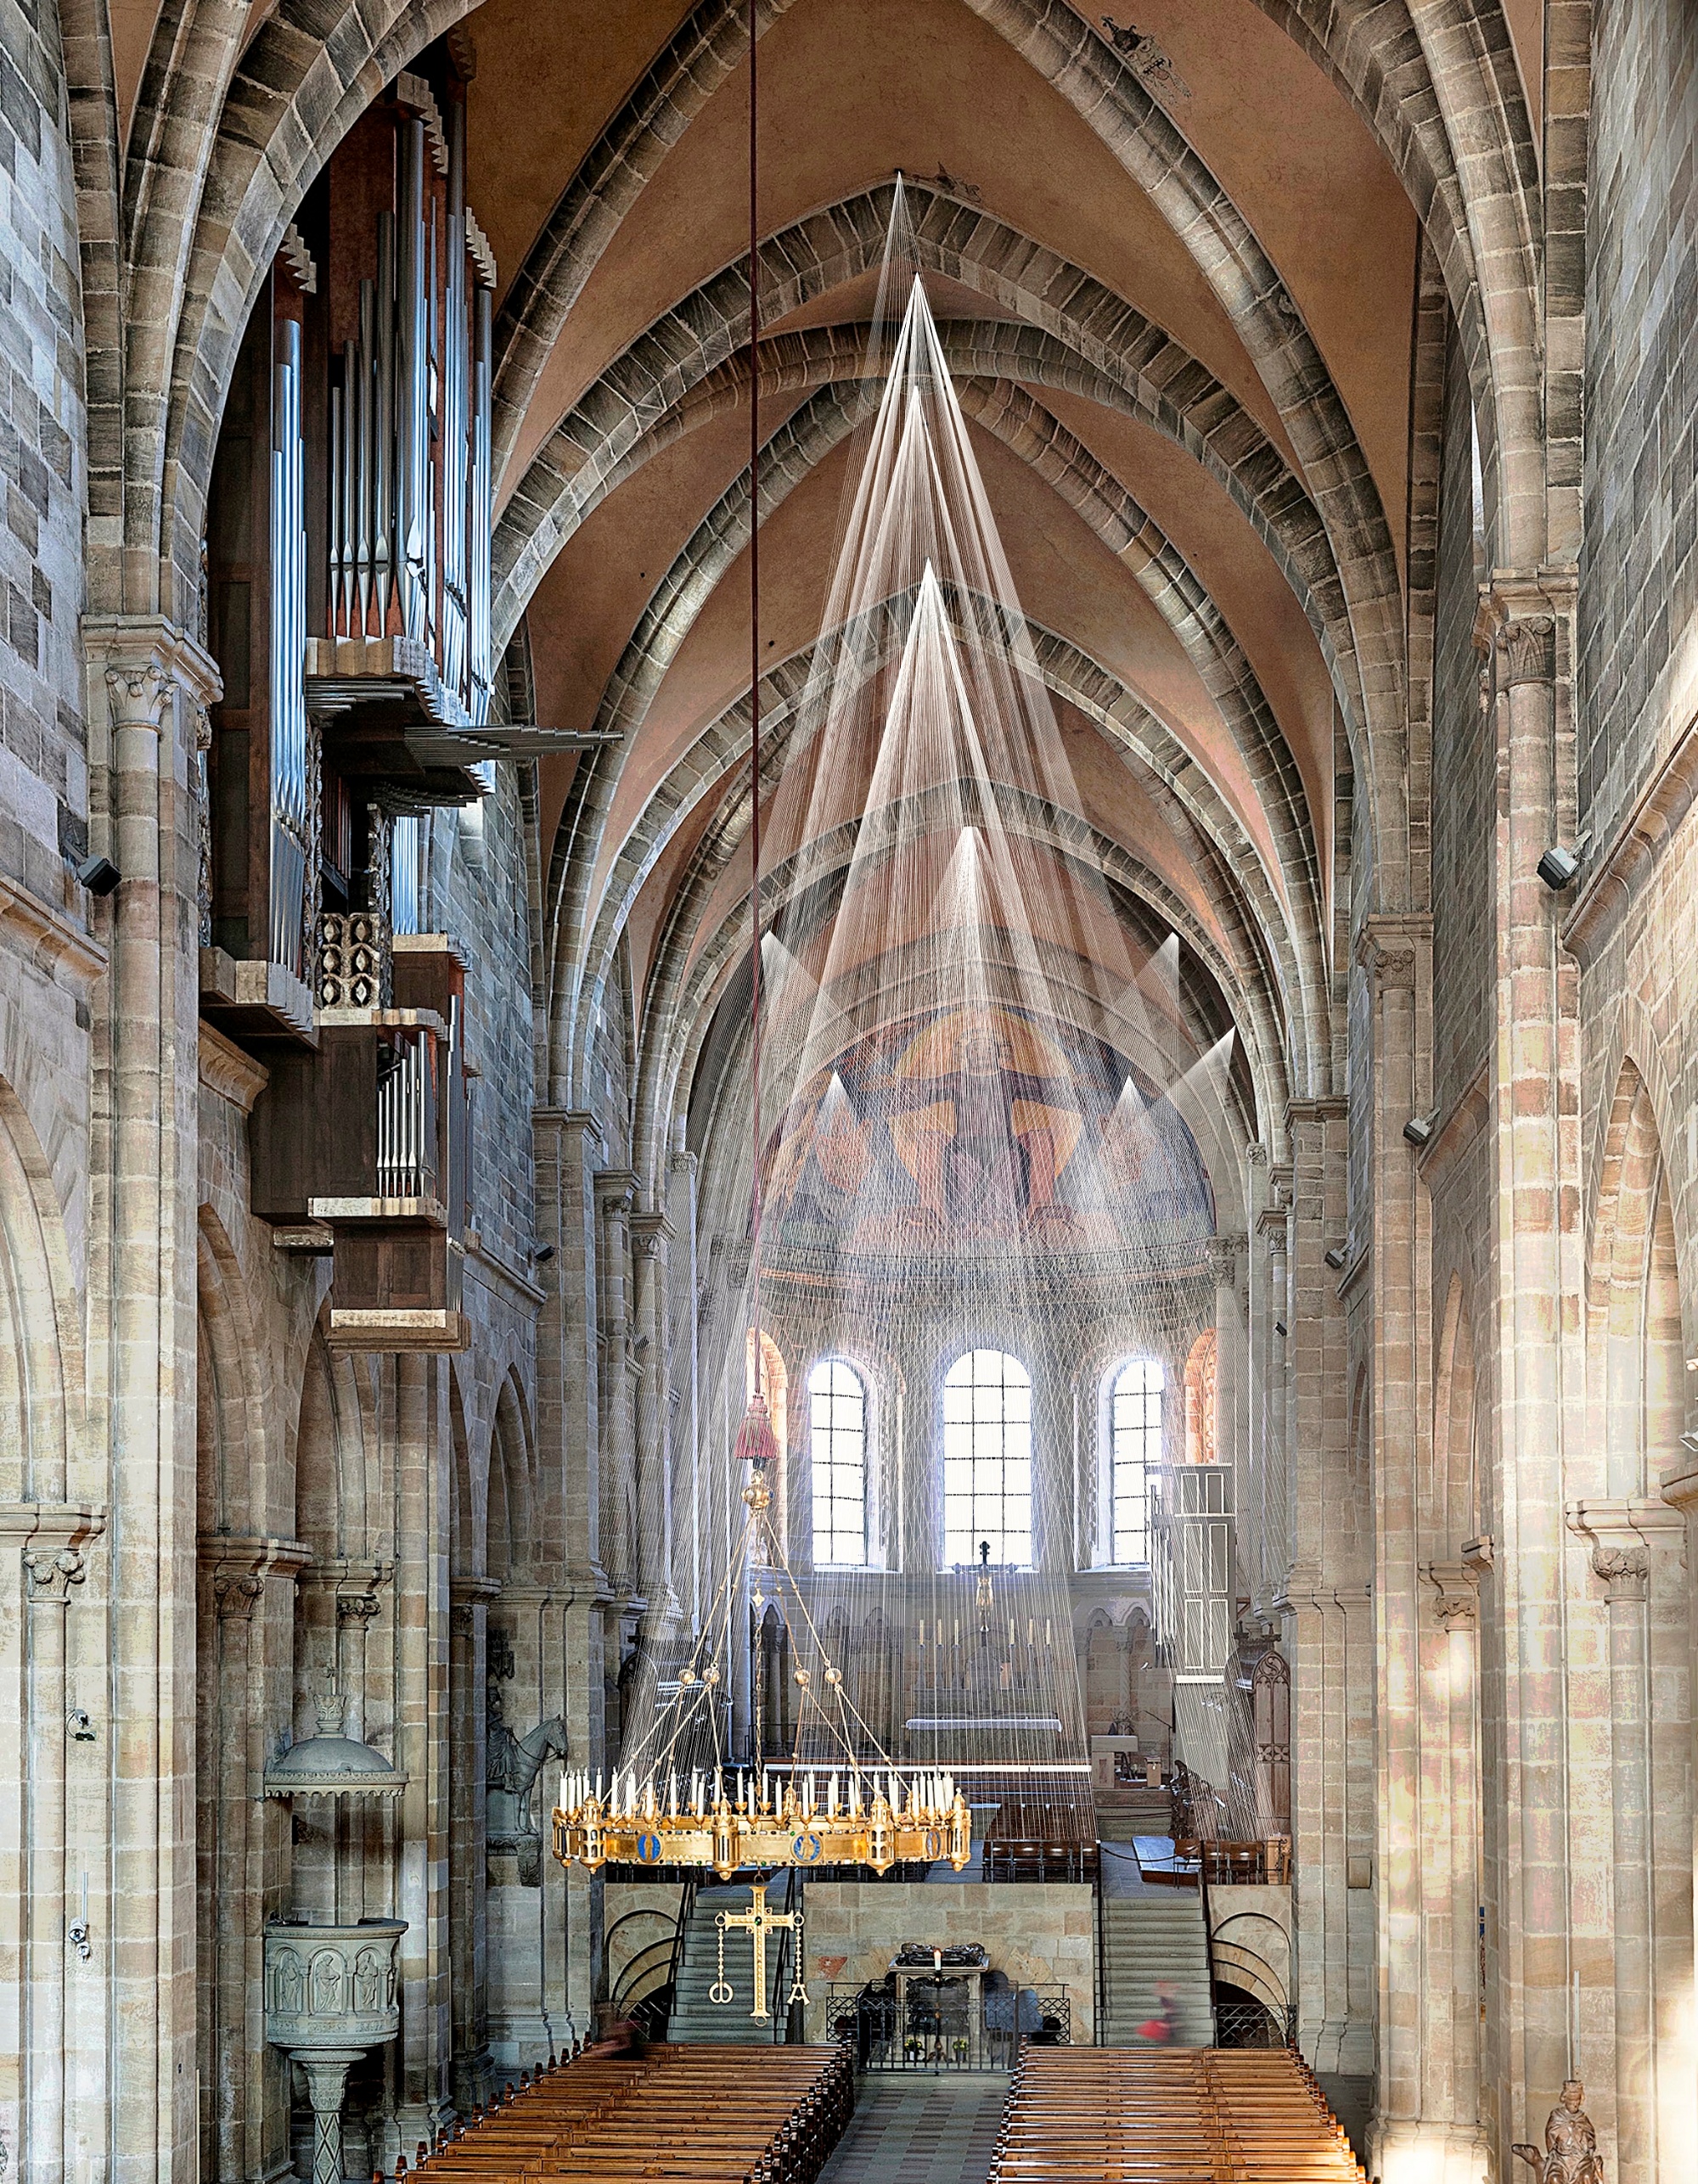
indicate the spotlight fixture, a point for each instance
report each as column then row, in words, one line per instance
column 1558, row 865
column 540, row 1253
column 99, row 875
column 1418, row 1129
column 1280, row 1326
column 1335, row 1259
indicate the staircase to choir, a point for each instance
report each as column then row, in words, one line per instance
column 1153, row 1938
column 693, row 2017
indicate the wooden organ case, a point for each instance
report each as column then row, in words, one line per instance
column 348, row 606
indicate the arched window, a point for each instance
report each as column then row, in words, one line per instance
column 987, row 1458
column 837, row 1445
column 1134, row 1445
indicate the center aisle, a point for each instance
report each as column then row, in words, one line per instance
column 913, row 2129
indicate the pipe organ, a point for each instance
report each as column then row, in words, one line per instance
column 348, row 568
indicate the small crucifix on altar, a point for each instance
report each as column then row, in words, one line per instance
column 757, row 1920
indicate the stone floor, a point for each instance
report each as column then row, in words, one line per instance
column 920, row 2131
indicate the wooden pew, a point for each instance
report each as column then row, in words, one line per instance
column 1181, row 2116
column 719, row 2116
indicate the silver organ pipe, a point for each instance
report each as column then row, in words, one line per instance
column 454, row 388
column 405, row 1167
column 412, row 422
column 291, row 812
column 479, row 506
column 388, row 400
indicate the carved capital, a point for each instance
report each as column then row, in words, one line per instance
column 237, row 1592
column 1620, row 1535
column 1527, row 649
column 1626, row 1571
column 356, row 1607
column 52, row 1573
column 137, row 693
column 51, row 1536
column 143, row 661
column 616, row 1191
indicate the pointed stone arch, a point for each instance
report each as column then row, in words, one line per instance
column 41, row 1343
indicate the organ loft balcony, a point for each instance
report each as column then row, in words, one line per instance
column 359, row 1146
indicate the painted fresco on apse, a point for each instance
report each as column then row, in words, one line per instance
column 979, row 1129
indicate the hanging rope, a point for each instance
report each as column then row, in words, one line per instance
column 755, row 1439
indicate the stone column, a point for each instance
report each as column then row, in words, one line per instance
column 149, row 686
column 246, row 1671
column 468, row 1629
column 1231, row 1444
column 44, row 1567
column 615, row 1190
column 1547, row 1932
column 1620, row 1537
column 1426, row 2121
column 651, row 1237
column 689, row 1575
column 423, row 1457
column 326, row 2072
column 568, row 1151
column 1331, row 1650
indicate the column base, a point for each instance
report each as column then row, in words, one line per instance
column 1405, row 2150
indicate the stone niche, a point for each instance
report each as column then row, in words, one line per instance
column 1039, row 1933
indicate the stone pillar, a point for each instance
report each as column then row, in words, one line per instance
column 689, row 1580
column 42, row 1567
column 1620, row 1537
column 326, row 2073
column 1426, row 2120
column 149, row 686
column 467, row 1940
column 1231, row 1444
column 651, row 1237
column 616, row 1191
column 1331, row 1648
column 1535, row 1400
column 245, row 1672
column 569, row 1437
column 422, row 1459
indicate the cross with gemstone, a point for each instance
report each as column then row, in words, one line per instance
column 756, row 1922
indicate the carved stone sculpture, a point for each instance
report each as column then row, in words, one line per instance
column 1571, row 2144
column 511, row 1766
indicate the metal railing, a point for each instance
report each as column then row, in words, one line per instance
column 1255, row 2024
column 655, row 2008
column 936, row 2031
column 786, row 2021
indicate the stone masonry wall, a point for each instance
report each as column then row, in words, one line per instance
column 1462, row 788
column 43, row 764
column 1638, row 669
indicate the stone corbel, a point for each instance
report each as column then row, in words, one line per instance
column 466, row 1595
column 240, row 1563
column 1456, row 1603
column 51, row 1537
column 1620, row 1534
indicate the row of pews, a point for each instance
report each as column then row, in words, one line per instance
column 709, row 2115
column 1195, row 2115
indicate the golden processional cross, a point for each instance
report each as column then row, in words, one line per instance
column 758, row 1920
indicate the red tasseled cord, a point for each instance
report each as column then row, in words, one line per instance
column 754, row 1442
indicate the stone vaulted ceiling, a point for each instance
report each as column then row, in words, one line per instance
column 1178, row 278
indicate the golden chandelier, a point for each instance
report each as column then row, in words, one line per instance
column 876, row 1819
